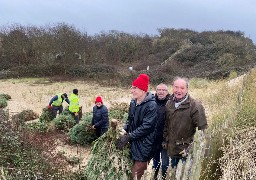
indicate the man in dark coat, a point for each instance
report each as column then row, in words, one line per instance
column 140, row 127
column 161, row 97
column 183, row 115
column 100, row 120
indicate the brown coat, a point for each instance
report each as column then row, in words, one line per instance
column 180, row 124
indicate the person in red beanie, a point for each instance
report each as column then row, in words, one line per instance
column 100, row 120
column 140, row 126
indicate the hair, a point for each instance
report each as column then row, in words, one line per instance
column 183, row 78
column 162, row 84
column 75, row 91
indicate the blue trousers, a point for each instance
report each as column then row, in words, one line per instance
column 55, row 109
column 157, row 163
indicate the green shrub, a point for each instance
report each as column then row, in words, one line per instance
column 22, row 160
column 40, row 127
column 46, row 115
column 5, row 96
column 106, row 161
column 118, row 111
column 87, row 117
column 64, row 122
column 82, row 134
column 3, row 103
column 25, row 115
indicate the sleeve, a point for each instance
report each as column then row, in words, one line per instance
column 53, row 99
column 148, row 123
column 199, row 117
column 67, row 100
column 166, row 123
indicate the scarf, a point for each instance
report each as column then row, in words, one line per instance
column 179, row 102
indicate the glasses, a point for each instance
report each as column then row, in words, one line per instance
column 161, row 90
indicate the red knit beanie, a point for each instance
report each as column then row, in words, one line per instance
column 141, row 82
column 98, row 99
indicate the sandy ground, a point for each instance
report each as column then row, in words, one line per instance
column 35, row 94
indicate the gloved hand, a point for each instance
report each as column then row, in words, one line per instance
column 164, row 145
column 49, row 106
column 122, row 141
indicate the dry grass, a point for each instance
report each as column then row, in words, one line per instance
column 239, row 160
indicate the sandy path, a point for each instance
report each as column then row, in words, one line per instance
column 35, row 94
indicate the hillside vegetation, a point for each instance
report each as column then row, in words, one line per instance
column 63, row 51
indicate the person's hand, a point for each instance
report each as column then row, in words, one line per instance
column 76, row 114
column 122, row 141
column 184, row 153
column 49, row 107
column 164, row 145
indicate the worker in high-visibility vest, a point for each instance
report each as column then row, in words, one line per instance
column 56, row 103
column 74, row 105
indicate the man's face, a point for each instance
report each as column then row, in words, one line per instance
column 136, row 92
column 161, row 91
column 179, row 88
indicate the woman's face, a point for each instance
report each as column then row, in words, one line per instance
column 98, row 104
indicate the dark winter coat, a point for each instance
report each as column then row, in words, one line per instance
column 142, row 128
column 100, row 117
column 181, row 123
column 160, row 120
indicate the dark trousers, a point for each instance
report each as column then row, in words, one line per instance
column 100, row 131
column 157, row 162
column 175, row 160
column 76, row 118
column 138, row 169
column 55, row 109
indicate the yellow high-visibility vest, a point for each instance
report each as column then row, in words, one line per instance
column 58, row 102
column 74, row 103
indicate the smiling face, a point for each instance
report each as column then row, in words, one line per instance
column 179, row 88
column 99, row 104
column 161, row 91
column 137, row 93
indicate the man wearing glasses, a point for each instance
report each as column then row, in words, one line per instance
column 162, row 96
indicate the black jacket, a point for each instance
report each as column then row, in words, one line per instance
column 141, row 127
column 160, row 120
column 100, row 117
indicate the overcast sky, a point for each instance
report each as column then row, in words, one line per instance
column 134, row 16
